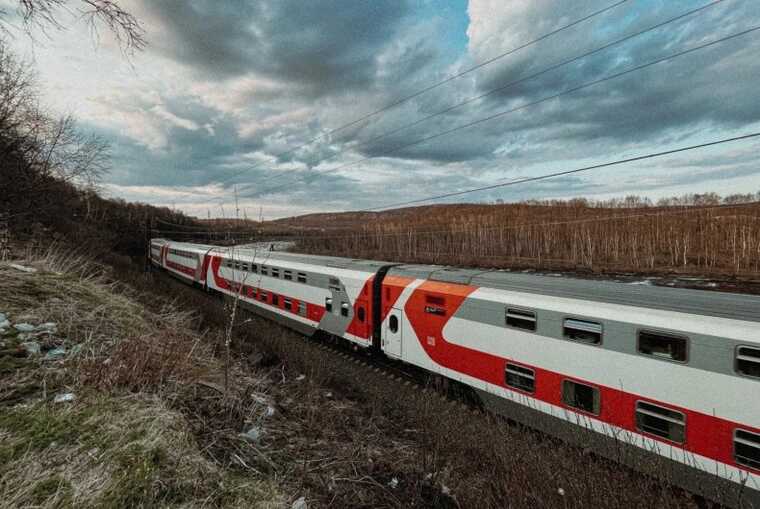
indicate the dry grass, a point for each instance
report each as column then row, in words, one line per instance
column 122, row 442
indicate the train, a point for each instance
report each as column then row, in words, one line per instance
column 666, row 380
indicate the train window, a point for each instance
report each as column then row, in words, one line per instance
column 521, row 319
column 663, row 345
column 302, row 308
column 301, row 277
column 360, row 314
column 275, row 272
column 520, row 377
column 275, row 300
column 254, row 269
column 244, row 267
column 393, row 324
column 264, row 271
column 661, row 421
column 263, row 296
column 288, row 304
column 747, row 448
column 328, row 305
column 748, row 361
column 582, row 331
column 287, row 275
column 344, row 308
column 580, row 396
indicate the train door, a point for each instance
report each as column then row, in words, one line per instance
column 392, row 333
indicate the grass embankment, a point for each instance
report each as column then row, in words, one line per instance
column 123, row 441
column 151, row 424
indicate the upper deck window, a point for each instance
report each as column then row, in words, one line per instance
column 521, row 319
column 301, row 277
column 748, row 361
column 663, row 345
column 582, row 331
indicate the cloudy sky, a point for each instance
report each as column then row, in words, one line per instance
column 231, row 94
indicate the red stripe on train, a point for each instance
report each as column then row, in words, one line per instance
column 706, row 435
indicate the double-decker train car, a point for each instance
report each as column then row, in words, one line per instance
column 644, row 374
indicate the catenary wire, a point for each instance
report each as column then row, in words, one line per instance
column 428, row 88
column 501, row 88
column 528, row 105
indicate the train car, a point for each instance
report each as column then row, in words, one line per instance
column 657, row 371
column 186, row 261
column 308, row 293
column 647, row 375
column 156, row 254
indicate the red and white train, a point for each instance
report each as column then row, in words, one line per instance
column 641, row 373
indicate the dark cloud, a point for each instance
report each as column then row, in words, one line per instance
column 323, row 47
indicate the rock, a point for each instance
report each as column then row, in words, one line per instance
column 328, row 395
column 66, row 397
column 50, row 327
column 22, row 268
column 269, row 412
column 561, row 492
column 299, row 504
column 393, row 483
column 300, row 377
column 5, row 324
column 24, row 327
column 55, row 353
column 31, row 347
column 252, row 435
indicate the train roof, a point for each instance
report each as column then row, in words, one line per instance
column 701, row 302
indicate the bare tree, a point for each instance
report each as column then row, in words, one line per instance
column 45, row 14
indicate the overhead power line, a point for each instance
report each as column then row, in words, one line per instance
column 501, row 88
column 529, row 104
column 404, row 99
column 567, row 172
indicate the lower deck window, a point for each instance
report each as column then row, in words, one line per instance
column 663, row 345
column 275, row 300
column 288, row 304
column 582, row 331
column 581, row 396
column 263, row 296
column 747, row 448
column 660, row 421
column 521, row 319
column 302, row 308
column 520, row 377
column 748, row 361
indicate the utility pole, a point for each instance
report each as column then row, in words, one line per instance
column 237, row 205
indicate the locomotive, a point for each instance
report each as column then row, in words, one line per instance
column 654, row 377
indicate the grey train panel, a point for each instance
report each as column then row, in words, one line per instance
column 707, row 303
column 709, row 353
